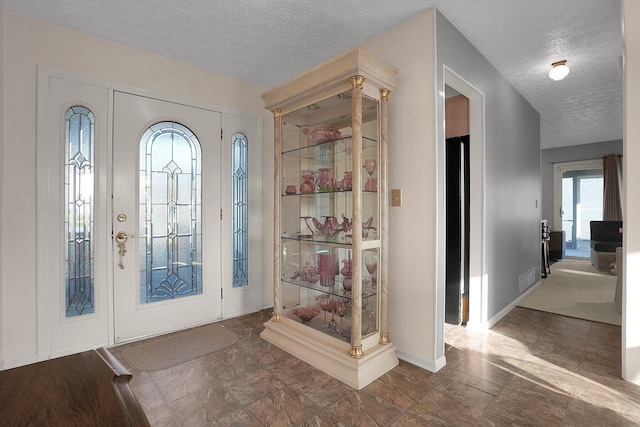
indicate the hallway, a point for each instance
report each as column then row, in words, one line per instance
column 532, row 368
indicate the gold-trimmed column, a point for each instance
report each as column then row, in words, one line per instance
column 277, row 250
column 356, row 266
column 384, row 214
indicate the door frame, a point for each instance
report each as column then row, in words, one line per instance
column 478, row 281
column 48, row 236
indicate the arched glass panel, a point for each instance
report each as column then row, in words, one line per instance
column 79, row 215
column 240, row 196
column 170, row 213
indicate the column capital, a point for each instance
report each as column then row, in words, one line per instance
column 357, row 81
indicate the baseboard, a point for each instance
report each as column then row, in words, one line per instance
column 526, row 293
column 495, row 319
column 421, row 362
column 483, row 326
column 18, row 361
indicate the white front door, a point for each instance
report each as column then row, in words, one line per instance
column 182, row 241
column 166, row 216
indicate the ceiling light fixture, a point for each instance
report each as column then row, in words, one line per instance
column 559, row 70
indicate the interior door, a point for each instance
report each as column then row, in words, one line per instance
column 457, row 229
column 166, row 216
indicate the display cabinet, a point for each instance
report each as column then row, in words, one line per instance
column 330, row 240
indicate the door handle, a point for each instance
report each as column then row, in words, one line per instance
column 121, row 239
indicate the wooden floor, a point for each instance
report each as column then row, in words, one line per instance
column 85, row 389
column 531, row 369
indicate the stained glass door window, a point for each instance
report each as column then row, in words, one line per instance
column 170, row 213
column 79, row 215
column 240, row 220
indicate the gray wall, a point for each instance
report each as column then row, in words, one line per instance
column 512, row 168
column 569, row 154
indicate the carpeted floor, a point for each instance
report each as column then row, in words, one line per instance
column 577, row 289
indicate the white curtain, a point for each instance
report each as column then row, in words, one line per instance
column 612, row 194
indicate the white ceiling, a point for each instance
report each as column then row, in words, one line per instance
column 270, row 41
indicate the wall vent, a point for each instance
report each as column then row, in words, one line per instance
column 527, row 279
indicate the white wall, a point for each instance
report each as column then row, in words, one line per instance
column 29, row 43
column 511, row 172
column 420, row 48
column 3, row 107
column 412, row 168
column 631, row 159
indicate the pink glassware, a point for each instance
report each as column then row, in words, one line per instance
column 305, row 313
column 330, row 228
column 327, row 267
column 371, row 184
column 308, row 182
column 308, row 273
column 324, row 133
column 325, row 304
column 306, row 235
column 325, row 182
column 347, row 181
column 370, row 165
column 366, row 226
column 341, row 310
column 371, row 263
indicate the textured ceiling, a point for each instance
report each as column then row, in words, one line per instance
column 270, row 41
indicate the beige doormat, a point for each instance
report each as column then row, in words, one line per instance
column 164, row 352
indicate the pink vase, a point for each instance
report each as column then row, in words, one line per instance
column 307, row 186
column 371, row 184
column 327, row 267
column 347, row 181
column 325, row 182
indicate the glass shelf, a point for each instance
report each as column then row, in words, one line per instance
column 337, row 146
column 318, row 193
column 336, row 290
column 341, row 242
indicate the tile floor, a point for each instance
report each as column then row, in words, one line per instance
column 532, row 369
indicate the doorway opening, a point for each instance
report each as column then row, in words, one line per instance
column 477, row 281
column 579, row 197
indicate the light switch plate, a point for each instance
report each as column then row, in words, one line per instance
column 396, row 197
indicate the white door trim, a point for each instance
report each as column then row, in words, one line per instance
column 478, row 284
column 48, row 237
